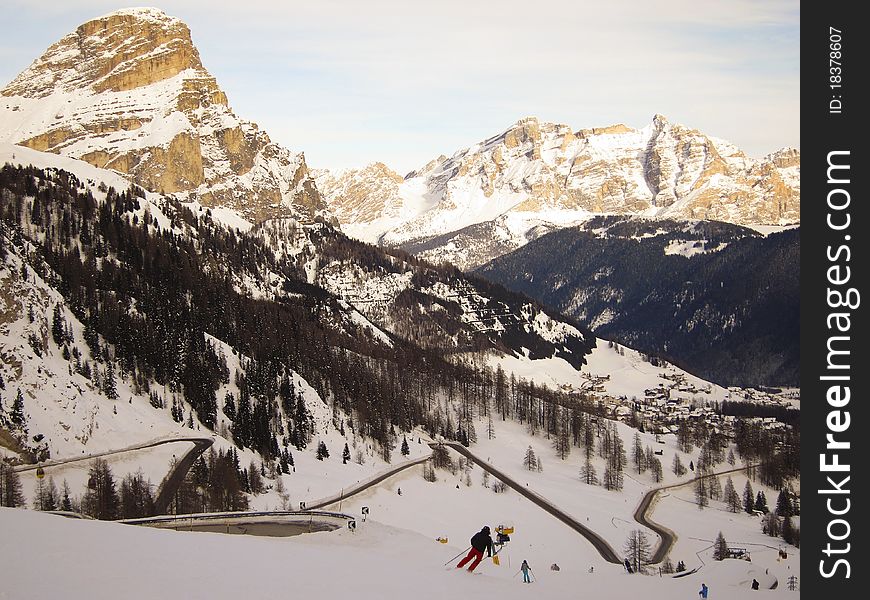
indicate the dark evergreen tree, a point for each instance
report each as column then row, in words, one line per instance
column 110, row 386
column 702, row 495
column 761, row 502
column 771, row 525
column 530, row 461
column 405, row 449
column 720, row 548
column 10, row 487
column 101, row 499
column 136, row 496
column 230, row 406
column 345, row 455
column 788, row 531
column 303, row 427
column 677, row 467
column 783, row 504
column 322, row 452
column 57, row 326
column 588, row 474
column 17, row 414
column 748, row 498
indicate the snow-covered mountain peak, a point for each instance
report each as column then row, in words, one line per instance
column 122, row 50
column 536, row 176
column 127, row 91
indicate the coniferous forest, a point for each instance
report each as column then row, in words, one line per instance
column 719, row 300
column 152, row 296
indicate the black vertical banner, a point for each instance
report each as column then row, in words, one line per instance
column 835, row 372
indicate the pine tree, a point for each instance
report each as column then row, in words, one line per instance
column 405, row 450
column 136, row 496
column 701, row 493
column 761, row 502
column 715, row 488
column 748, row 498
column 255, row 479
column 110, row 387
column 530, row 461
column 230, row 406
column 637, row 550
column 788, row 530
column 656, row 469
column 638, row 454
column 303, row 427
column 720, row 548
column 731, row 460
column 57, row 326
column 17, row 415
column 588, row 474
column 101, row 498
column 322, row 452
column 783, row 504
column 10, row 487
column 770, row 525
column 677, row 466
column 345, row 454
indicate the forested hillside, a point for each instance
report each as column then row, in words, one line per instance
column 161, row 289
column 719, row 300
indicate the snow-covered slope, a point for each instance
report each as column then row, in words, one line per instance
column 538, row 176
column 394, row 552
column 127, row 91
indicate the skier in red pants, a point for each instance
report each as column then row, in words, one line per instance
column 479, row 542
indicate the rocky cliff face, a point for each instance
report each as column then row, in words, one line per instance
column 363, row 196
column 542, row 175
column 128, row 92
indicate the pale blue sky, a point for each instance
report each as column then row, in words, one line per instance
column 350, row 82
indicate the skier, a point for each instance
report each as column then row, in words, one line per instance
column 628, row 567
column 525, row 568
column 754, row 584
column 479, row 542
column 702, row 593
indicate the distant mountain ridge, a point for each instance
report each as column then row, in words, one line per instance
column 538, row 176
column 128, row 91
column 716, row 299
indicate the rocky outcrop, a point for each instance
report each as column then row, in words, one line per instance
column 128, row 92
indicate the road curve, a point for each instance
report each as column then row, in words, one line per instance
column 668, row 537
column 352, row 491
column 170, row 483
column 173, row 479
column 597, row 542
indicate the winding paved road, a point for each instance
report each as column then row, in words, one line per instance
column 360, row 487
column 597, row 541
column 170, row 483
column 668, row 537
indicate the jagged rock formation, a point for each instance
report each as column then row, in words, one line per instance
column 127, row 91
column 361, row 196
column 539, row 176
